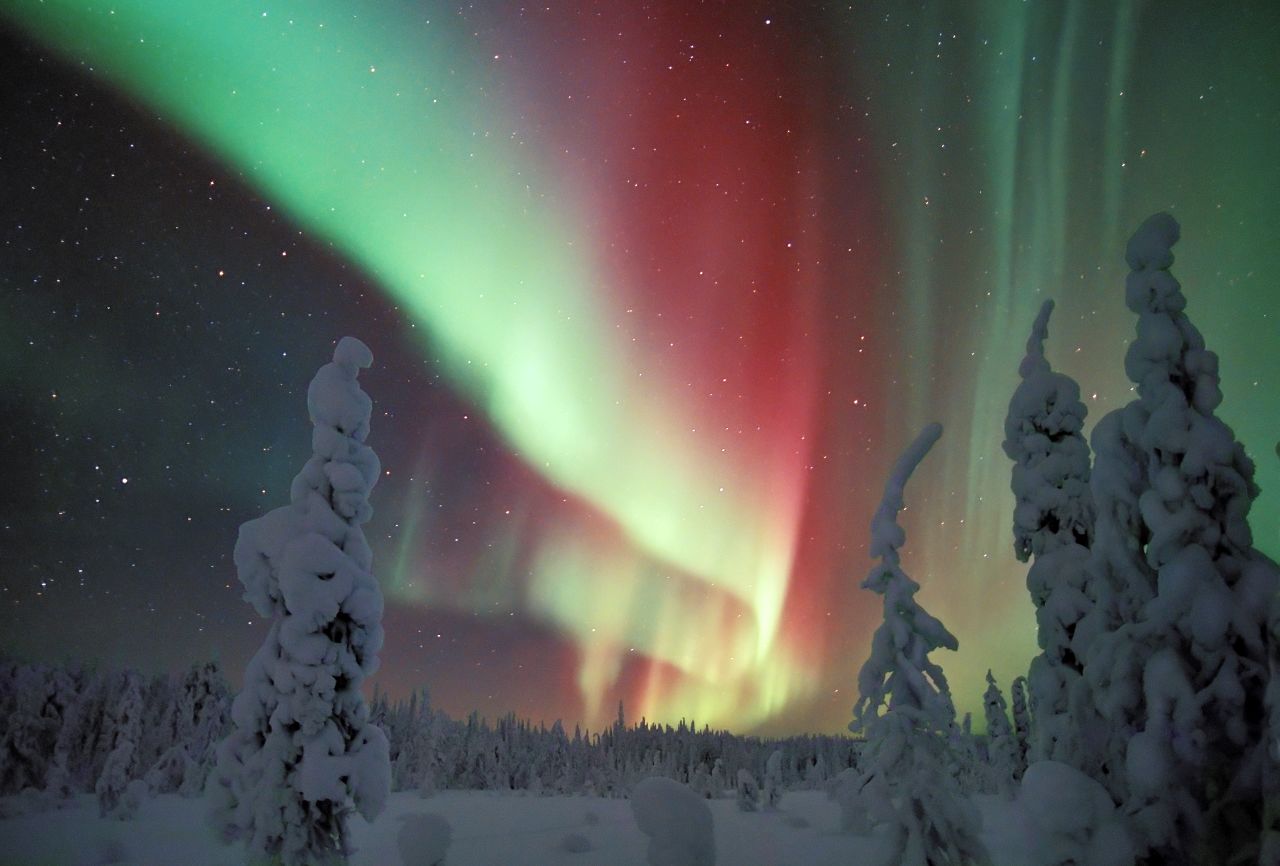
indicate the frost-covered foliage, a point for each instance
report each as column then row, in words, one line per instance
column 1053, row 522
column 302, row 752
column 1179, row 668
column 748, row 791
column 677, row 822
column 116, row 774
column 904, row 706
column 1002, row 747
column 1073, row 820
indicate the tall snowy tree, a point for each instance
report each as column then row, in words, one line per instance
column 121, row 761
column 302, row 752
column 1021, row 722
column 1053, row 522
column 1181, row 674
column 42, row 696
column 904, row 705
column 1002, row 747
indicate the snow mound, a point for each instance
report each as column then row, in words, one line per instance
column 1073, row 817
column 575, row 843
column 423, row 839
column 677, row 822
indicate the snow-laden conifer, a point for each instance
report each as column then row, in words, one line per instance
column 1053, row 523
column 1002, row 748
column 1043, row 435
column 905, row 708
column 302, row 753
column 1181, row 675
column 773, row 780
column 1021, row 722
column 126, row 733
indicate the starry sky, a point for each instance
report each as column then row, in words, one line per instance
column 656, row 293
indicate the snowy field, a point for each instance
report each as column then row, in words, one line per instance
column 488, row 830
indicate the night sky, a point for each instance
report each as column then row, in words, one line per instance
column 656, row 292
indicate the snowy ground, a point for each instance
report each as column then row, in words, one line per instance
column 488, row 830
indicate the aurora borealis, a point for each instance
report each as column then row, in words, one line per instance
column 655, row 294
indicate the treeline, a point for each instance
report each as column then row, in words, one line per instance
column 429, row 750
column 67, row 730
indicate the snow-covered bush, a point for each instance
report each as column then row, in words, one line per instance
column 423, row 839
column 302, row 752
column 677, row 822
column 168, row 774
column 904, row 706
column 748, row 791
column 718, row 780
column 848, row 790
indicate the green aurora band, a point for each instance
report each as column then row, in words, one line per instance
column 1013, row 180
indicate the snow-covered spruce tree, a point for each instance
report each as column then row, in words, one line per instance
column 41, row 698
column 126, row 733
column 773, row 780
column 60, row 783
column 1043, row 436
column 1181, row 675
column 904, row 705
column 1053, row 522
column 1269, row 854
column 1021, row 722
column 302, row 752
column 202, row 716
column 1002, row 748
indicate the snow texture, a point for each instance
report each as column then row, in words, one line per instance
column 677, row 822
column 303, row 753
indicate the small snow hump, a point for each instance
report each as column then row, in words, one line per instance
column 423, row 839
column 1151, row 246
column 352, row 354
column 677, row 821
